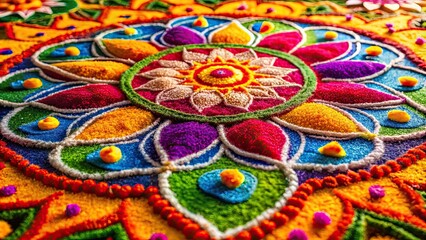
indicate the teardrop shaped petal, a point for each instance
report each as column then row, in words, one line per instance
column 181, row 35
column 353, row 93
column 193, row 56
column 275, row 71
column 258, row 137
column 117, row 123
column 220, row 52
column 206, row 99
column 129, row 49
column 159, row 84
column 322, row 52
column 182, row 139
column 238, row 99
column 160, row 72
column 232, row 33
column 177, row 65
column 85, row 97
column 276, row 82
column 107, row 70
column 263, row 61
column 176, row 93
column 348, row 69
column 284, row 41
column 247, row 55
column 262, row 92
column 320, row 117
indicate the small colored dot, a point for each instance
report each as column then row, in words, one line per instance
column 5, row 51
column 374, row 51
column 70, row 27
column 321, row 219
column 376, row 191
column 158, row 236
column 297, row 234
column 391, row 30
column 130, row 31
column 7, row 190
column 72, row 210
column 39, row 34
column 242, row 7
column 232, row 178
column 72, row 51
column 420, row 41
column 408, row 81
column 125, row 16
column 389, row 25
column 270, row 10
column 348, row 17
column 32, row 83
column 48, row 123
column 189, row 9
column 331, row 35
column 399, row 116
column 110, row 154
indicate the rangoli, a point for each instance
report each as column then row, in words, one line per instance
column 212, row 120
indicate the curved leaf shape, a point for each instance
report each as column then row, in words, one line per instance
column 284, row 41
column 322, row 52
column 356, row 70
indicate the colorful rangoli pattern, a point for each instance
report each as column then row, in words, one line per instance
column 216, row 126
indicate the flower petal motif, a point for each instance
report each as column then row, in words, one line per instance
column 176, row 93
column 285, row 41
column 341, row 70
column 239, row 99
column 220, row 52
column 179, row 140
column 354, row 94
column 177, row 65
column 84, row 97
column 160, row 72
column 181, row 35
column 259, row 138
column 232, row 33
column 275, row 71
column 322, row 52
column 263, row 61
column 107, row 70
column 193, row 56
column 247, row 55
column 262, row 92
column 160, row 83
column 129, row 49
column 205, row 99
column 276, row 82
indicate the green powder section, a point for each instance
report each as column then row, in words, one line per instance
column 270, row 188
column 311, row 38
column 279, row 26
column 418, row 96
column 116, row 232
column 19, row 220
column 18, row 96
column 387, row 131
column 26, row 115
column 367, row 224
column 75, row 158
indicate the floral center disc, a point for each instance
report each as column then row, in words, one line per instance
column 219, row 83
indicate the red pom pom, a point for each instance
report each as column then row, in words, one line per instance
column 329, row 182
column 101, row 188
column 279, row 219
column 89, row 186
column 190, row 230
column 376, row 172
column 257, row 233
column 290, row 211
column 159, row 205
column 355, row 177
column 201, row 235
column 343, row 180
column 244, row 235
column 165, row 212
column 151, row 190
column 137, row 190
column 268, row 226
column 365, row 175
column 315, row 183
column 153, row 199
column 293, row 201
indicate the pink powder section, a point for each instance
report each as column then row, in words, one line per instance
column 284, row 41
column 321, row 52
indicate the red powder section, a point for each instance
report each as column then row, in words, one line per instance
column 351, row 93
column 322, row 52
column 284, row 41
column 259, row 137
column 85, row 97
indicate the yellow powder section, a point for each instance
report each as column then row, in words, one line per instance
column 279, row 11
column 112, row 15
column 5, row 229
column 231, row 34
column 232, row 7
column 322, row 200
column 197, row 9
column 57, row 218
column 379, row 237
column 320, row 117
column 16, row 46
column 117, row 123
column 107, row 70
column 27, row 33
column 394, row 199
column 415, row 173
column 142, row 214
column 129, row 49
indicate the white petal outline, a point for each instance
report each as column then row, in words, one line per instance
column 249, row 55
column 177, row 93
column 263, row 61
column 391, row 7
column 208, row 98
column 220, row 52
column 190, row 57
column 275, row 71
column 260, row 92
column 160, row 72
column 175, row 64
column 238, row 99
column 371, row 6
column 276, row 82
column 411, row 7
column 160, row 84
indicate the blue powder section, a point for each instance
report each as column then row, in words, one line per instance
column 32, row 130
column 386, row 57
column 366, row 121
column 382, row 116
column 27, row 63
column 131, row 158
column 149, row 148
column 84, row 47
column 319, row 33
column 390, row 78
column 144, row 32
column 352, row 51
column 187, row 22
column 295, row 141
column 211, row 183
column 356, row 149
column 205, row 157
column 378, row 87
column 34, row 74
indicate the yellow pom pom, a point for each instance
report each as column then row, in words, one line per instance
column 201, row 22
column 5, row 229
column 408, row 81
column 48, row 123
column 130, row 31
column 72, row 51
column 232, row 178
column 398, row 116
column 32, row 83
column 374, row 51
column 110, row 154
column 331, row 35
column 332, row 149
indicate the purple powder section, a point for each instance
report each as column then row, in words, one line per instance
column 182, row 36
column 348, row 69
column 182, row 139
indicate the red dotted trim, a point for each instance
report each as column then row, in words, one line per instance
column 101, row 189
